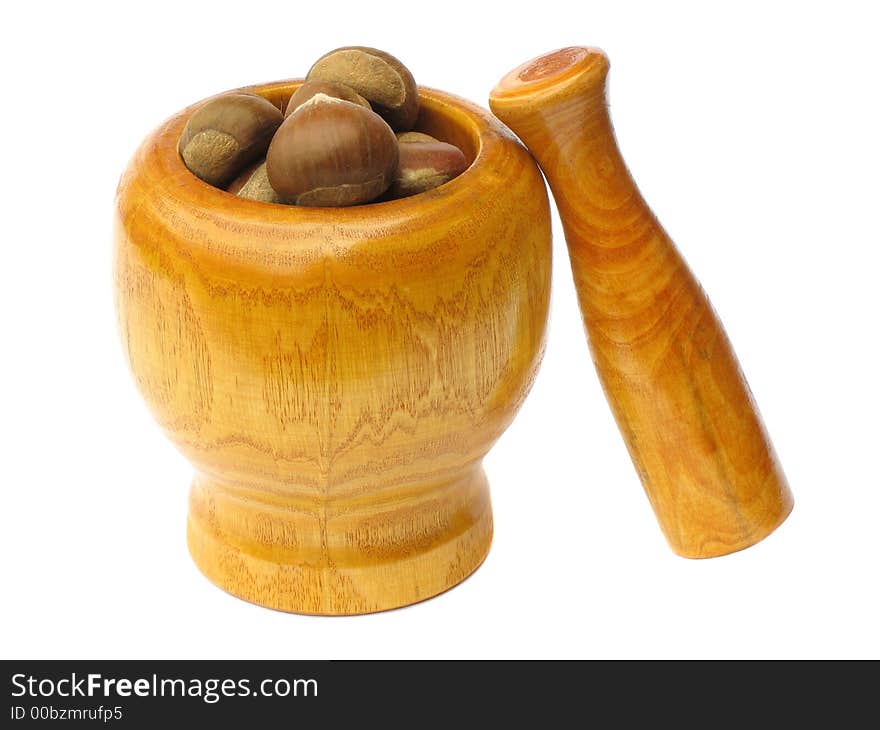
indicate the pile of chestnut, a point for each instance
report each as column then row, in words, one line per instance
column 345, row 138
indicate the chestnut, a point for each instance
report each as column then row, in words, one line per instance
column 377, row 76
column 310, row 88
column 424, row 163
column 415, row 137
column 253, row 184
column 331, row 152
column 226, row 134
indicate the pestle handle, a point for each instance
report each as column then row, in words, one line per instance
column 667, row 367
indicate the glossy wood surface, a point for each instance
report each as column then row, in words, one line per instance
column 336, row 376
column 677, row 392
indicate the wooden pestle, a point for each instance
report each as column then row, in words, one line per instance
column 679, row 397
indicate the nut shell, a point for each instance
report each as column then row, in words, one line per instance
column 331, row 152
column 377, row 76
column 227, row 134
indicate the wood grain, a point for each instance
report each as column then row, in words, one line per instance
column 336, row 376
column 682, row 404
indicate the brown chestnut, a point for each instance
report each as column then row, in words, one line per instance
column 253, row 184
column 424, row 165
column 239, row 181
column 226, row 134
column 338, row 91
column 331, row 152
column 415, row 137
column 377, row 76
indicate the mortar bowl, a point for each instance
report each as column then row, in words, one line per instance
column 336, row 375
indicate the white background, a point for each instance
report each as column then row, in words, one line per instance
column 752, row 133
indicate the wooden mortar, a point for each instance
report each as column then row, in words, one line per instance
column 336, row 376
column 682, row 404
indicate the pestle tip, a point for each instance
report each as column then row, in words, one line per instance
column 549, row 71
